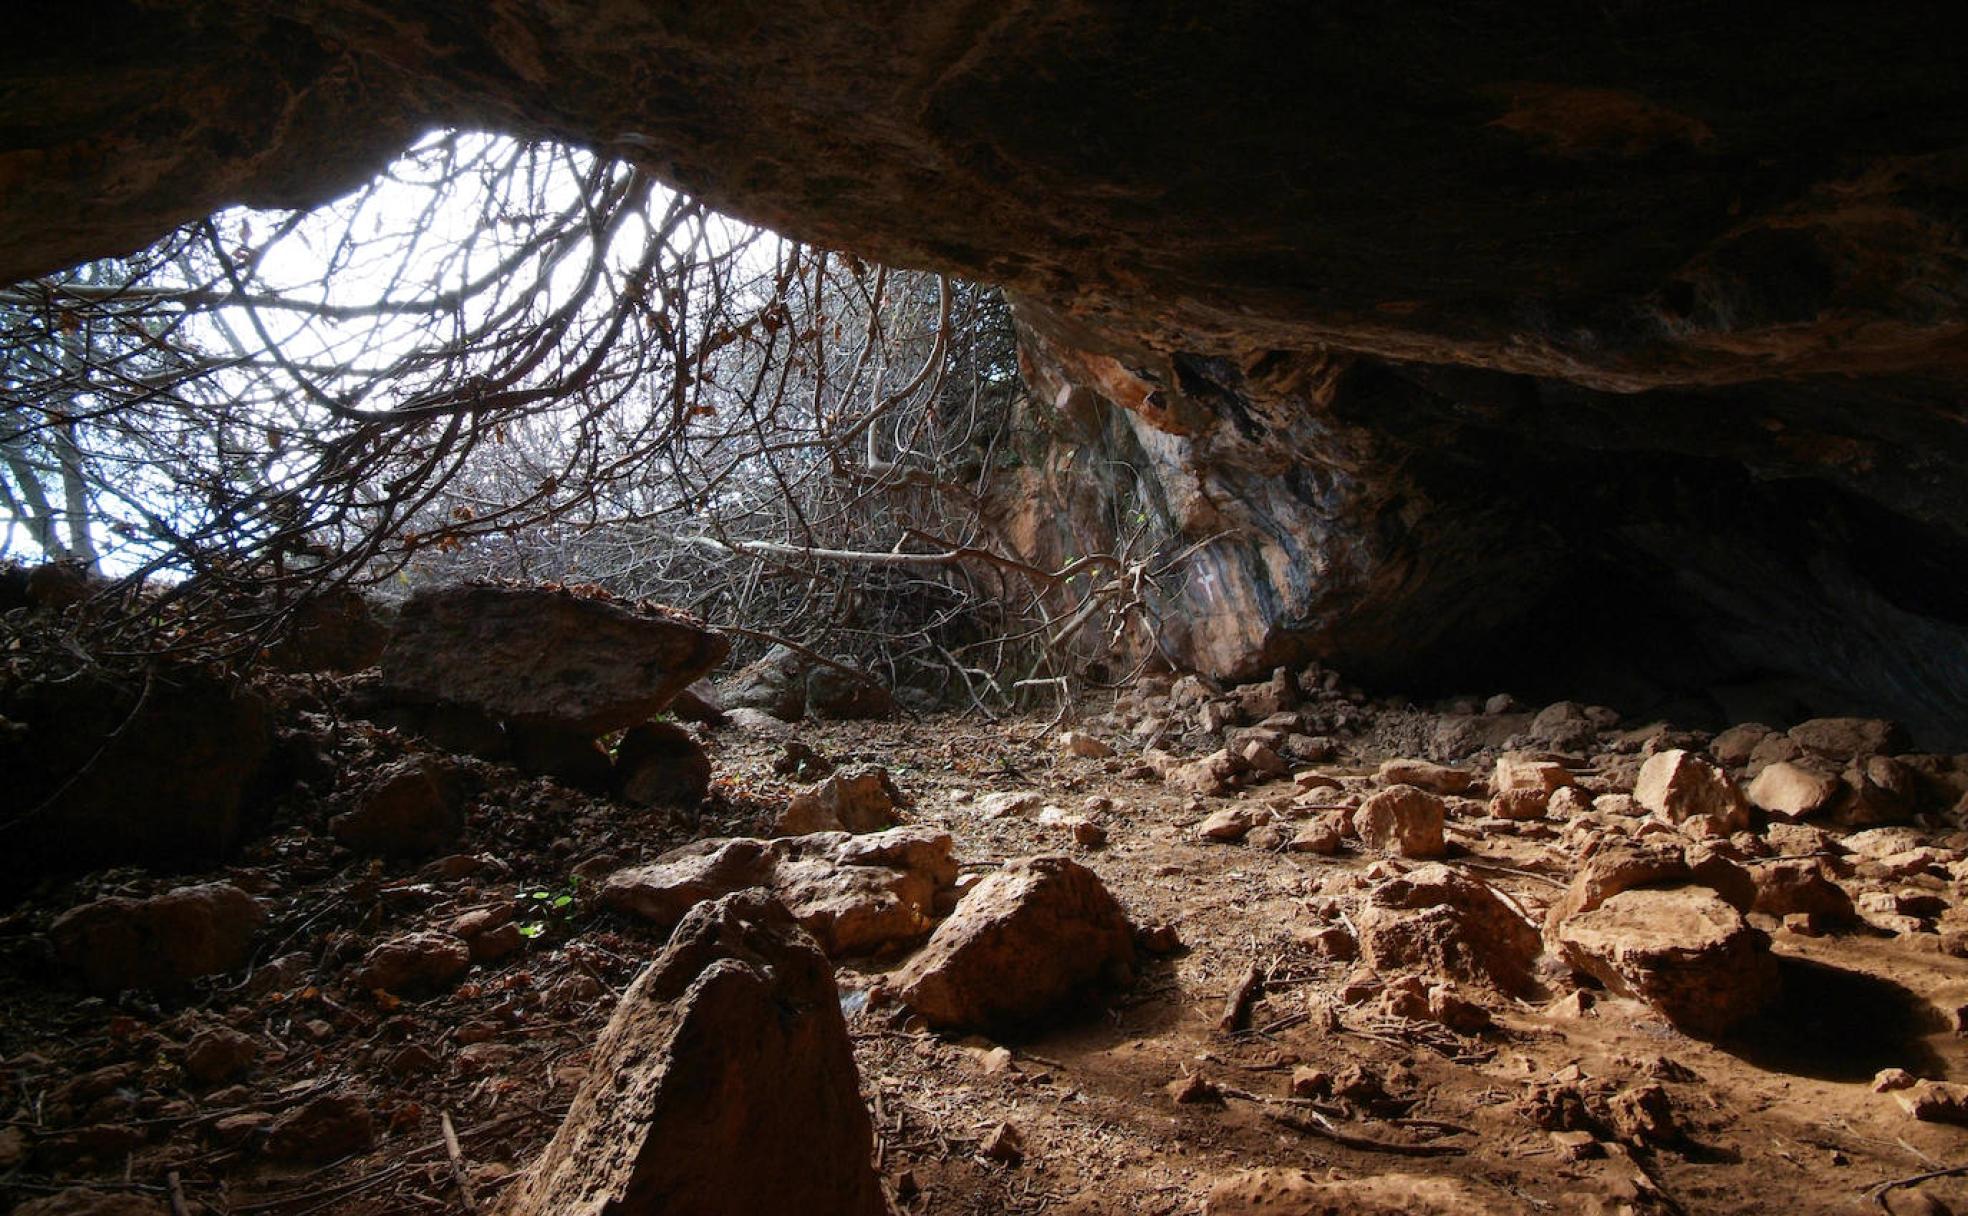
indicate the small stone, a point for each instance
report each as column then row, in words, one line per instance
column 1643, row 1115
column 1089, row 835
column 660, row 764
column 1079, row 743
column 1682, row 950
column 1576, row 1145
column 1515, row 772
column 326, row 1129
column 1159, row 939
column 1519, row 804
column 1004, row 1145
column 1008, row 805
column 1231, row 824
column 218, row 1055
column 1322, row 836
column 1886, row 1080
column 1212, row 776
column 1847, row 739
column 1194, row 1090
column 1733, row 747
column 410, row 809
column 858, row 799
column 1935, row 1101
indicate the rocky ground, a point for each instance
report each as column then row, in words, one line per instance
column 1359, row 957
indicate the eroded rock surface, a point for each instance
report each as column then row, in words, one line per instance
column 675, row 1119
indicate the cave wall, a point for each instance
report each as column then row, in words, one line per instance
column 1471, row 323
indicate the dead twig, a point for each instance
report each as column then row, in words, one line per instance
column 1322, row 1127
column 1237, row 1009
column 457, row 1156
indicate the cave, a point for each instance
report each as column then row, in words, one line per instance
column 1638, row 332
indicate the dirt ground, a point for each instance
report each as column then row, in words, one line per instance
column 1780, row 1116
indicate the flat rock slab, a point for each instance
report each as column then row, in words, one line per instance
column 1024, row 944
column 544, row 657
column 724, row 1083
column 1683, row 950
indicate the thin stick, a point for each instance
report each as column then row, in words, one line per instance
column 1319, row 1125
column 1237, row 1009
column 175, row 1186
column 457, row 1156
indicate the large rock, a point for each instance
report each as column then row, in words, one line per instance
column 854, row 894
column 1682, row 950
column 858, row 799
column 412, row 808
column 1791, row 792
column 1624, row 865
column 1024, row 944
column 150, row 770
column 162, row 942
column 724, row 1083
column 544, row 657
column 661, row 764
column 1679, row 785
column 1436, row 918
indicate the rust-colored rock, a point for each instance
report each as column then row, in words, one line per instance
column 409, row 809
column 414, row 963
column 1682, row 950
column 545, row 658
column 1024, row 944
column 1437, row 919
column 862, row 798
column 661, row 764
column 724, row 1083
column 163, row 942
column 1404, row 821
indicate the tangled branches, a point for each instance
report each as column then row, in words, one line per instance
column 522, row 360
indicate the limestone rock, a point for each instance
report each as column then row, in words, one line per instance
column 1515, row 772
column 1424, row 775
column 1624, row 865
column 162, row 942
column 1682, row 950
column 409, row 809
column 1800, row 886
column 1791, row 792
column 414, row 963
column 1846, row 739
column 1211, row 776
column 724, row 1082
column 854, row 894
column 862, row 798
column 661, row 764
column 1289, row 1192
column 1520, row 804
column 1934, row 1101
column 1079, row 743
column 544, row 657
column 1402, row 820
column 1024, row 944
column 1438, row 919
column 1232, row 823
column 1678, row 785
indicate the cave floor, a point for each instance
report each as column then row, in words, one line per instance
column 1780, row 1116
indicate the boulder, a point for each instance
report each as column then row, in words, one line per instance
column 156, row 770
column 1403, row 821
column 1682, row 950
column 335, row 631
column 411, row 808
column 1440, row 920
column 774, row 685
column 1520, row 804
column 853, row 894
column 1847, row 739
column 163, row 942
column 862, row 798
column 1734, row 747
column 660, row 764
column 1679, row 785
column 1291, row 1192
column 414, row 963
column 724, row 1082
column 544, row 657
column 1425, row 775
column 1024, row 944
column 1791, row 792
column 846, row 696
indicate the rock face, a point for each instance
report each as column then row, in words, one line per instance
column 1023, row 945
column 1454, row 349
column 725, row 1082
column 1683, row 950
column 545, row 658
column 162, row 942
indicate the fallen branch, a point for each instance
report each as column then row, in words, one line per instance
column 1322, row 1127
column 1237, row 1009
